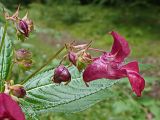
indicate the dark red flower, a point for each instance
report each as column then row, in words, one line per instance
column 110, row 65
column 9, row 109
column 61, row 74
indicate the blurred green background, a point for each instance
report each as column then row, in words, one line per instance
column 60, row 21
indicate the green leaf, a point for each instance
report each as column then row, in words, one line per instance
column 45, row 96
column 28, row 110
column 5, row 58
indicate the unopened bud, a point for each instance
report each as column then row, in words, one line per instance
column 22, row 27
column 23, row 54
column 61, row 74
column 18, row 91
column 25, row 64
column 72, row 57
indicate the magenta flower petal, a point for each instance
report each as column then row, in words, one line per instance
column 120, row 47
column 136, row 81
column 133, row 66
column 9, row 108
column 96, row 70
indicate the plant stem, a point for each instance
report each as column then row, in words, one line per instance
column 53, row 57
column 3, row 37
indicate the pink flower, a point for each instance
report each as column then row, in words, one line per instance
column 9, row 109
column 110, row 65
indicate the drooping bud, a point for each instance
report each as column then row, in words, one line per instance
column 18, row 91
column 72, row 57
column 25, row 64
column 23, row 54
column 61, row 74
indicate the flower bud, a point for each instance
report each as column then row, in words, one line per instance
column 61, row 74
column 25, row 64
column 18, row 91
column 22, row 27
column 72, row 57
column 23, row 54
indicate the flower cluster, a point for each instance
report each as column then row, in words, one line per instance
column 110, row 65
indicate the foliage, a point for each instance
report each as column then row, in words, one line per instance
column 44, row 96
column 5, row 58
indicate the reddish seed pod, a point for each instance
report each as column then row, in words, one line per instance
column 18, row 91
column 23, row 54
column 61, row 74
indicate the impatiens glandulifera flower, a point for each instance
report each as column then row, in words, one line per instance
column 110, row 65
column 61, row 74
column 9, row 109
column 18, row 91
column 23, row 54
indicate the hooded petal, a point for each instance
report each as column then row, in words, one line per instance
column 120, row 47
column 9, row 108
